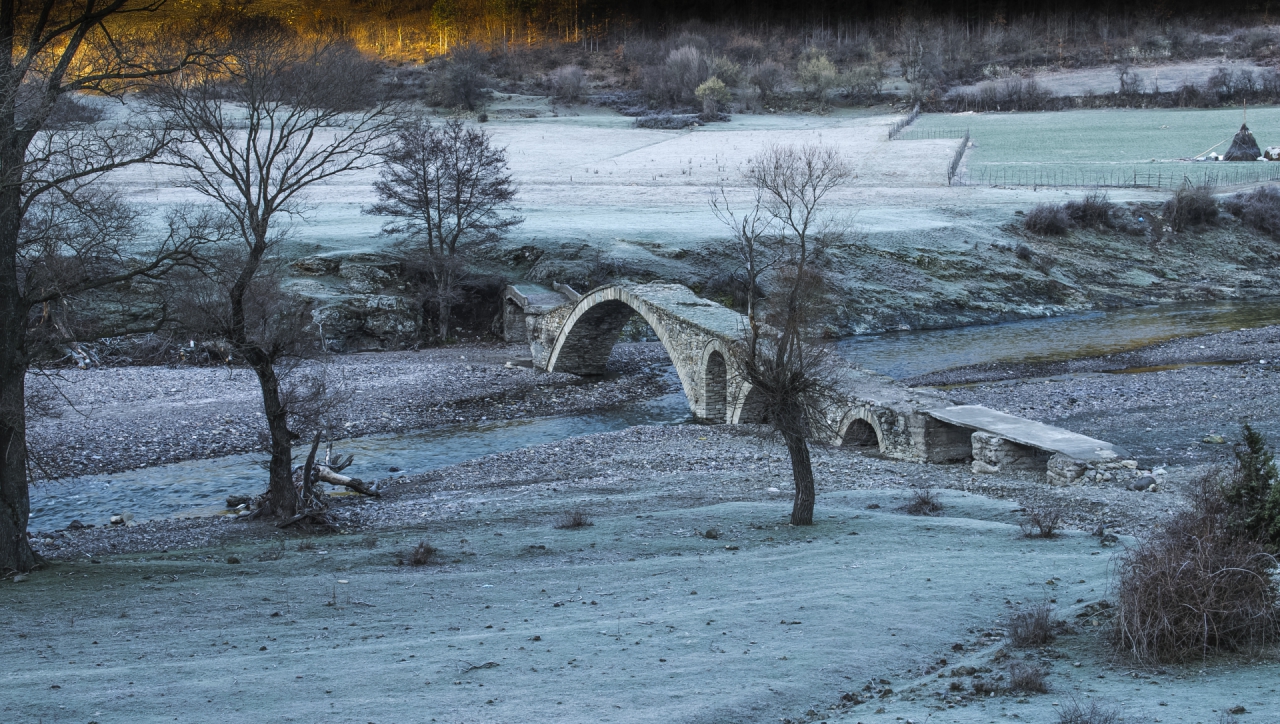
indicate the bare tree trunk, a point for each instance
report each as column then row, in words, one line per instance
column 444, row 290
column 15, row 504
column 802, row 473
column 280, row 491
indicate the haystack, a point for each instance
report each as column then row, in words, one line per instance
column 1243, row 147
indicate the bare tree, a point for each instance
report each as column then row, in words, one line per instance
column 259, row 126
column 790, row 378
column 447, row 189
column 48, row 50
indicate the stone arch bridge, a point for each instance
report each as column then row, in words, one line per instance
column 577, row 336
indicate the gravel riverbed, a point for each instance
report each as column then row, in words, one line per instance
column 123, row 418
column 1160, row 417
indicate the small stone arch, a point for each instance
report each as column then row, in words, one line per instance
column 859, row 428
column 715, row 385
column 750, row 407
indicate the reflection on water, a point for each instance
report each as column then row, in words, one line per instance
column 200, row 487
column 908, row 354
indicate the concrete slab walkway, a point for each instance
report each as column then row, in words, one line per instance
column 1029, row 432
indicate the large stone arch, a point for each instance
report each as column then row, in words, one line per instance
column 855, row 426
column 591, row 328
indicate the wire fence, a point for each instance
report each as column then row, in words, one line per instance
column 1207, row 174
column 897, row 127
column 956, row 159
column 931, row 134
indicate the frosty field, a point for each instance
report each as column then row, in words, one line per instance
column 1104, row 146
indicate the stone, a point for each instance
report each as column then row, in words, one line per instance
column 1142, row 483
column 235, row 501
column 117, row 520
column 363, row 278
column 1131, row 464
column 19, row 578
column 1214, row 439
column 1064, row 470
column 983, row 468
column 75, row 525
column 232, row 560
column 315, row 266
column 1001, row 453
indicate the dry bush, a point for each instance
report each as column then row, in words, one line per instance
column 576, row 519
column 422, row 554
column 1094, row 211
column 1075, row 712
column 1041, row 520
column 567, row 82
column 460, row 80
column 1027, row 678
column 1191, row 206
column 1259, row 209
column 1048, row 220
column 1192, row 588
column 923, row 502
column 369, row 541
column 306, row 545
column 1033, row 627
column 768, row 78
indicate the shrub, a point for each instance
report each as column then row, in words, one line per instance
column 1041, row 521
column 306, row 545
column 862, row 83
column 422, row 554
column 566, row 82
column 1047, row 219
column 1254, row 492
column 817, row 75
column 923, row 502
column 1259, row 209
column 1192, row 587
column 1094, row 211
column 1027, row 678
column 572, row 521
column 666, row 121
column 1191, row 206
column 1073, row 712
column 714, row 94
column 1033, row 627
column 768, row 77
column 460, row 81
column 684, row 70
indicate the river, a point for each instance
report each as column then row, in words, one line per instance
column 199, row 487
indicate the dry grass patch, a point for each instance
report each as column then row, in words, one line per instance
column 1035, row 626
column 923, row 502
column 574, row 520
column 422, row 554
column 1041, row 520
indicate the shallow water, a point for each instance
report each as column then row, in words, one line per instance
column 908, row 354
column 200, row 487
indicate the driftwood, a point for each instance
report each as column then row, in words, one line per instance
column 313, row 508
column 333, row 477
